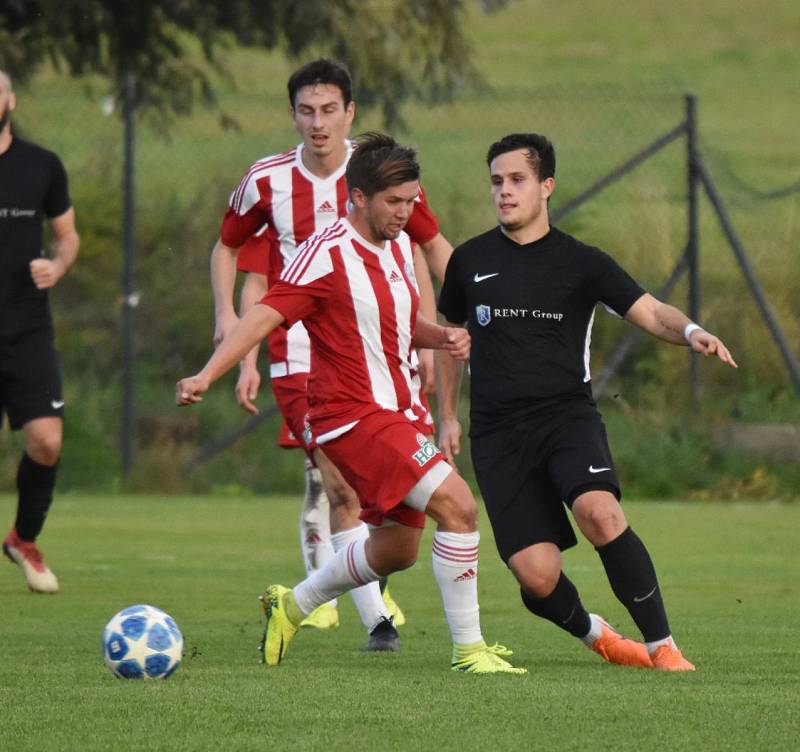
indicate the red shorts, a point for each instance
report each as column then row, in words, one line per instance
column 386, row 458
column 291, row 398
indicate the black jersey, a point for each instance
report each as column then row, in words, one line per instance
column 529, row 309
column 33, row 186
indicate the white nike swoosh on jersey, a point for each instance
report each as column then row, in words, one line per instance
column 56, row 404
column 481, row 277
column 593, row 469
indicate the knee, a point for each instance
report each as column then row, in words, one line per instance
column 453, row 507
column 603, row 521
column 44, row 449
column 538, row 582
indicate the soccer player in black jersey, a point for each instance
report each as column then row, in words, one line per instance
column 528, row 294
column 33, row 185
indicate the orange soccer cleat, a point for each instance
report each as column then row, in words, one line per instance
column 611, row 646
column 669, row 658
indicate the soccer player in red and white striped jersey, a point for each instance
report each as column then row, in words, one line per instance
column 353, row 286
column 280, row 202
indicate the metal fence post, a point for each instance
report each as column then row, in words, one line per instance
column 693, row 242
column 130, row 298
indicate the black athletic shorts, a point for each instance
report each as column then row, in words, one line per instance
column 30, row 380
column 528, row 472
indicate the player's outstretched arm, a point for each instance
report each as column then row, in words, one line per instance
column 223, row 281
column 257, row 323
column 671, row 325
column 448, row 387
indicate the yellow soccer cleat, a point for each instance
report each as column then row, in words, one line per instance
column 325, row 616
column 279, row 629
column 483, row 660
column 395, row 612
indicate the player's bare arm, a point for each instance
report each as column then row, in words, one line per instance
column 257, row 323
column 46, row 272
column 427, row 307
column 254, row 288
column 223, row 281
column 437, row 252
column 449, row 373
column 454, row 340
column 671, row 325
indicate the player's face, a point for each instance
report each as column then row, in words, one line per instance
column 321, row 118
column 520, row 199
column 387, row 211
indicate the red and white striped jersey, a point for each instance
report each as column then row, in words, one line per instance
column 359, row 305
column 277, row 206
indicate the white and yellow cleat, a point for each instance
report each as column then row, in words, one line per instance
column 279, row 629
column 395, row 612
column 480, row 658
column 325, row 616
column 29, row 558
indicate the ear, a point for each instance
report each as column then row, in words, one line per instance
column 548, row 186
column 358, row 197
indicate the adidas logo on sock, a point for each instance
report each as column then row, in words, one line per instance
column 325, row 206
column 469, row 574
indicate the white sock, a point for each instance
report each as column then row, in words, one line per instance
column 315, row 526
column 368, row 598
column 595, row 630
column 455, row 566
column 653, row 646
column 348, row 569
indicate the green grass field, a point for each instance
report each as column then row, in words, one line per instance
column 729, row 573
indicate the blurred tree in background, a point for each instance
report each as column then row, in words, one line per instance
column 402, row 49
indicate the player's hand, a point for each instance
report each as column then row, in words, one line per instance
column 45, row 273
column 247, row 387
column 190, row 390
column 457, row 342
column 223, row 325
column 707, row 344
column 449, row 439
column 426, row 372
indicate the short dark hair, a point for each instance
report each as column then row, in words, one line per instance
column 541, row 153
column 322, row 71
column 379, row 162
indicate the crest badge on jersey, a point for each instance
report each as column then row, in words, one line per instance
column 484, row 314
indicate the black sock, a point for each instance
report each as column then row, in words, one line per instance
column 563, row 607
column 633, row 579
column 35, row 484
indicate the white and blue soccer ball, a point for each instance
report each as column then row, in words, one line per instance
column 142, row 642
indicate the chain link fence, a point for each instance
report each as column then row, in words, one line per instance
column 183, row 178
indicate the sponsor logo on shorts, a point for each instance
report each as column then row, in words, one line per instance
column 426, row 452
column 56, row 404
column 306, row 432
column 469, row 574
column 593, row 469
column 481, row 277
